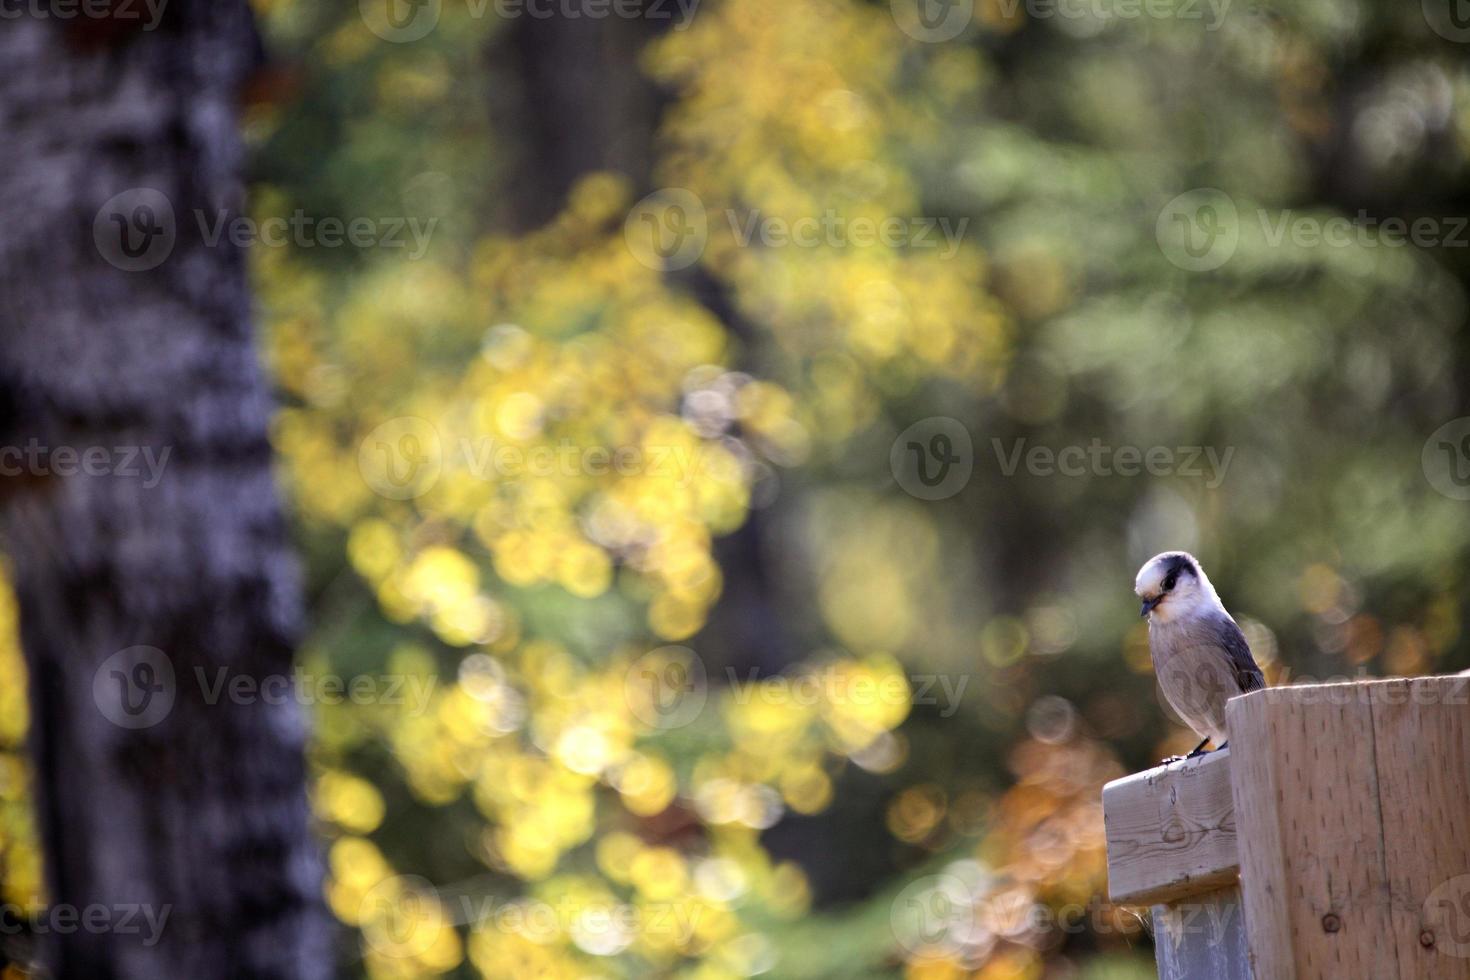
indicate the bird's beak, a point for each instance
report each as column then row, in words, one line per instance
column 1148, row 604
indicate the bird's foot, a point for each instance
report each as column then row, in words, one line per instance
column 1199, row 750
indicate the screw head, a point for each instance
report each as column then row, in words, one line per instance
column 1426, row 939
column 1331, row 923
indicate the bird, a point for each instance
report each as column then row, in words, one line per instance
column 1200, row 656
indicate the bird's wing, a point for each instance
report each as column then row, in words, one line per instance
column 1247, row 672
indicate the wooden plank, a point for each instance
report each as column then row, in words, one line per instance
column 1421, row 737
column 1202, row 938
column 1346, row 802
column 1307, row 809
column 1171, row 831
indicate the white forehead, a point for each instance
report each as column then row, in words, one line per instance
column 1150, row 580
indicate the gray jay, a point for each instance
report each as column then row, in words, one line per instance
column 1200, row 656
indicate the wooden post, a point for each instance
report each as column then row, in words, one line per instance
column 1353, row 808
column 1345, row 811
column 1171, row 845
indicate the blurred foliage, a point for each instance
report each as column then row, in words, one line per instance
column 20, row 858
column 535, row 472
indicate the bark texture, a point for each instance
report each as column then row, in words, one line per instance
column 198, row 805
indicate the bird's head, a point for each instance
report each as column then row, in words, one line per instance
column 1173, row 586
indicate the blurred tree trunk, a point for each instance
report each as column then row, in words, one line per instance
column 126, row 332
column 572, row 89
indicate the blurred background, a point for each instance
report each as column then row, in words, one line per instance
column 723, row 457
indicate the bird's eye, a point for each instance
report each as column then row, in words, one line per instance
column 1168, row 583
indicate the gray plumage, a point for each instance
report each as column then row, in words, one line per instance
column 1200, row 656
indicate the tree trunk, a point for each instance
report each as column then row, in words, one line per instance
column 138, row 508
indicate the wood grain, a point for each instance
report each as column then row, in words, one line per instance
column 1352, row 803
column 1171, row 831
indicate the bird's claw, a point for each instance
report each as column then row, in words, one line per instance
column 1199, row 751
